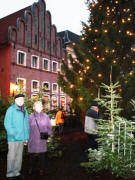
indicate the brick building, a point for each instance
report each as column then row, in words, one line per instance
column 31, row 54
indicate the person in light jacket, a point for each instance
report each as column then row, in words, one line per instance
column 90, row 125
column 37, row 147
column 17, row 127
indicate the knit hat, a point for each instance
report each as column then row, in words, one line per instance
column 19, row 95
column 94, row 103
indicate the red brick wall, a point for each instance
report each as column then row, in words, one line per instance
column 5, row 56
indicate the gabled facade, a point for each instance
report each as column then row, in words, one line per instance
column 31, row 54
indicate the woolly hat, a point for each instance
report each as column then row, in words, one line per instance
column 19, row 95
column 94, row 103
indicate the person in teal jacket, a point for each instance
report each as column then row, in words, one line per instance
column 17, row 127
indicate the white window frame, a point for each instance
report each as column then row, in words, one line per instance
column 32, row 90
column 24, row 57
column 56, row 66
column 33, row 95
column 17, row 79
column 53, row 95
column 61, row 92
column 65, row 101
column 52, row 88
column 48, row 105
column 48, row 69
column 37, row 61
column 46, row 82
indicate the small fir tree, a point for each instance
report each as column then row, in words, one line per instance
column 116, row 142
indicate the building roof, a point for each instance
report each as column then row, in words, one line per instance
column 68, row 37
column 7, row 21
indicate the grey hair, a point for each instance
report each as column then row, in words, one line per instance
column 35, row 103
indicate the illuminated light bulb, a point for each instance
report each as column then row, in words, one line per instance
column 73, row 44
column 82, row 38
column 95, row 48
column 98, row 56
column 114, row 22
column 89, row 29
column 105, row 30
column 71, row 86
column 123, row 20
column 80, row 98
column 88, row 67
column 99, row 75
column 91, row 80
column 118, row 42
column 128, row 32
column 87, row 60
column 133, row 62
column 96, row 30
column 131, row 73
column 81, row 78
column 119, row 31
column 103, row 59
column 116, row 2
column 129, row 19
column 133, row 48
column 114, row 62
column 106, row 50
column 113, row 50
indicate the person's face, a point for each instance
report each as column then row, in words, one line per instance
column 38, row 107
column 19, row 101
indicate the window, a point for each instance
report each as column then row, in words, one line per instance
column 21, row 58
column 62, row 101
column 35, row 86
column 34, row 96
column 46, row 85
column 46, row 64
column 46, row 99
column 35, row 62
column 54, row 66
column 54, row 87
column 61, row 92
column 21, row 82
column 54, row 101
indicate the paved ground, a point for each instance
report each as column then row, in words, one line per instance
column 68, row 166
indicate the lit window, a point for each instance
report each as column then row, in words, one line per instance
column 46, row 85
column 62, row 101
column 46, row 64
column 21, row 82
column 35, row 86
column 54, row 66
column 35, row 62
column 21, row 58
column 54, row 88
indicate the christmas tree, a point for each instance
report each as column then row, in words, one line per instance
column 116, row 142
column 107, row 41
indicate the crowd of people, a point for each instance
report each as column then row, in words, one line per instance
column 34, row 130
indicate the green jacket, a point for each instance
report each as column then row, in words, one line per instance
column 16, row 124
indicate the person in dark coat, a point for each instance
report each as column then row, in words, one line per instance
column 90, row 125
column 37, row 147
